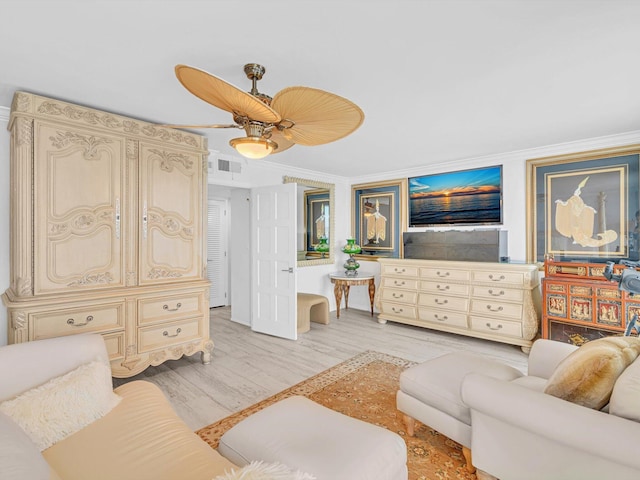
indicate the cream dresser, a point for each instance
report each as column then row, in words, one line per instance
column 107, row 233
column 495, row 301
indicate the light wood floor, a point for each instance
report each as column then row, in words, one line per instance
column 247, row 367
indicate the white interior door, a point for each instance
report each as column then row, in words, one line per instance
column 217, row 258
column 273, row 272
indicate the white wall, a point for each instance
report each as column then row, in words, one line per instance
column 515, row 190
column 315, row 278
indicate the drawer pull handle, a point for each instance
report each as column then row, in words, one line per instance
column 397, row 283
column 397, row 310
column 166, row 334
column 72, row 321
column 493, row 328
column 166, row 307
column 399, row 270
column 395, row 295
column 498, row 279
column 440, row 274
column 499, row 294
column 443, row 319
column 441, row 302
column 499, row 309
column 443, row 289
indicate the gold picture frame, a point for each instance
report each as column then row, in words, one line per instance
column 378, row 218
column 584, row 206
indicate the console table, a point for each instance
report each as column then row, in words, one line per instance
column 494, row 301
column 344, row 282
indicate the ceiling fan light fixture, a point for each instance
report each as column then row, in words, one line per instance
column 253, row 147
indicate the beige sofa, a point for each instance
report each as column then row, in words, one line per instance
column 519, row 432
column 141, row 438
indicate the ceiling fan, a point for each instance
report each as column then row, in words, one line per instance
column 295, row 115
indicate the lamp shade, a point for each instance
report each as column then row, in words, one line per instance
column 253, row 147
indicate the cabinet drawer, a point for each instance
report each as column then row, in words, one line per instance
column 400, row 270
column 115, row 344
column 496, row 308
column 401, row 296
column 405, row 283
column 459, row 304
column 499, row 327
column 445, row 273
column 69, row 321
column 169, row 308
column 498, row 293
column 399, row 310
column 516, row 278
column 161, row 336
column 445, row 288
column 455, row 319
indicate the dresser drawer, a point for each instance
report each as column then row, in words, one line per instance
column 454, row 319
column 401, row 296
column 459, row 304
column 166, row 308
column 495, row 308
column 498, row 293
column 404, row 283
column 174, row 333
column 400, row 270
column 115, row 344
column 398, row 310
column 495, row 326
column 444, row 273
column 69, row 321
column 445, row 288
column 512, row 278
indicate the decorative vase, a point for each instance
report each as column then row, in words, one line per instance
column 323, row 246
column 351, row 265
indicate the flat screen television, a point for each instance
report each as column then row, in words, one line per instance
column 464, row 197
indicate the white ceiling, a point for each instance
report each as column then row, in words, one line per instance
column 438, row 80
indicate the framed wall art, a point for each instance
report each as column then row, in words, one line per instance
column 378, row 218
column 463, row 197
column 584, row 206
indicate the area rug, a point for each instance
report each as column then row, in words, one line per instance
column 364, row 387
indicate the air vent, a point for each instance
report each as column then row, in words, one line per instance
column 229, row 166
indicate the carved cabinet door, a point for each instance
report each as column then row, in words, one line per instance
column 77, row 218
column 170, row 203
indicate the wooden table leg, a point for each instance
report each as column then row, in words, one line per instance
column 346, row 288
column 372, row 293
column 337, row 292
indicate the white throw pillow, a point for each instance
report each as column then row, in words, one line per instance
column 265, row 471
column 63, row 405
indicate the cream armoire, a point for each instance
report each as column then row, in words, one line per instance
column 107, row 233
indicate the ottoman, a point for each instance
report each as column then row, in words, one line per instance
column 303, row 435
column 430, row 392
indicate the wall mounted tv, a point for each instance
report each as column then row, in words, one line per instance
column 465, row 197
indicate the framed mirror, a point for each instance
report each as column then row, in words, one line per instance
column 315, row 221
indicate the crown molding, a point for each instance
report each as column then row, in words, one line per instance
column 595, row 143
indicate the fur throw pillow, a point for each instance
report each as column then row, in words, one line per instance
column 63, row 405
column 265, row 471
column 587, row 376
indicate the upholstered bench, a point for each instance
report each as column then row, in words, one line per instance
column 430, row 392
column 312, row 308
column 311, row 438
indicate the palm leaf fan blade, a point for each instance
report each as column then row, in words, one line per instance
column 224, row 95
column 283, row 142
column 318, row 117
